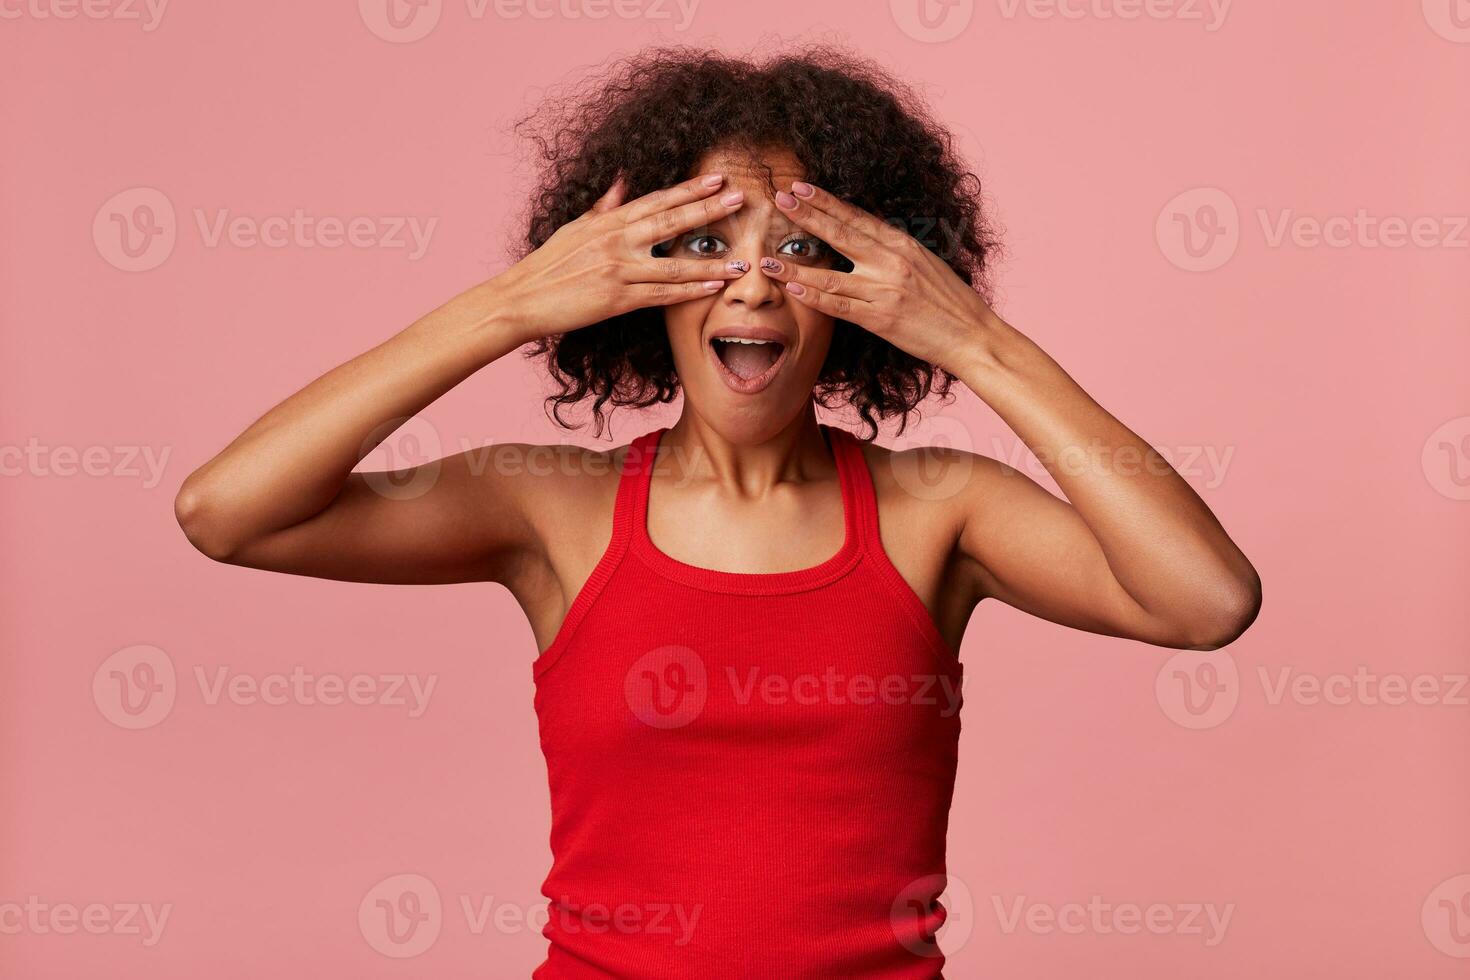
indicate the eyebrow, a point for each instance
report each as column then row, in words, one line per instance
column 781, row 225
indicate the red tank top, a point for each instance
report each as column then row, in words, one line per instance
column 750, row 773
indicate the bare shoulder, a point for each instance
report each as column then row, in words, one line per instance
column 566, row 495
column 936, row 483
column 557, row 485
column 928, row 498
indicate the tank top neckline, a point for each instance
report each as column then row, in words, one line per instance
column 857, row 498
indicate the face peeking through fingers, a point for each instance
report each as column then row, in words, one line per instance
column 656, row 122
column 749, row 356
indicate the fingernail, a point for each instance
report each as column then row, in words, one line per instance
column 738, row 265
column 785, row 201
column 713, row 284
column 730, row 200
column 802, row 189
column 770, row 264
column 796, row 289
column 714, row 180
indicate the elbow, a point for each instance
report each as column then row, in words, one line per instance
column 1230, row 611
column 197, row 511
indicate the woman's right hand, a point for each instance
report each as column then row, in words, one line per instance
column 600, row 264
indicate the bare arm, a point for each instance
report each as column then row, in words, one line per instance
column 283, row 495
column 1132, row 551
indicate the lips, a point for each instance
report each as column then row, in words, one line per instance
column 748, row 358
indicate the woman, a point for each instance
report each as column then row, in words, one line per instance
column 747, row 688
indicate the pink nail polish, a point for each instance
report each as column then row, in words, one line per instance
column 714, row 180
column 713, row 284
column 796, row 289
column 802, row 189
column 785, row 201
column 770, row 264
column 730, row 200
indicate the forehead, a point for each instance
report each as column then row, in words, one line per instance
column 747, row 171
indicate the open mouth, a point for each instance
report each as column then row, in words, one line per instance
column 747, row 364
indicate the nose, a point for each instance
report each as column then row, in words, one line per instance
column 755, row 289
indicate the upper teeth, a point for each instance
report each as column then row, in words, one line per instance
column 742, row 340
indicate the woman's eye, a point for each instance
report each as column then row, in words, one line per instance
column 705, row 245
column 804, row 248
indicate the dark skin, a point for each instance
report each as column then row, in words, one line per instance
column 748, row 484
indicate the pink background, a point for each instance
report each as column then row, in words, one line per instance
column 1314, row 393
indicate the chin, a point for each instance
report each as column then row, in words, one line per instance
column 748, row 375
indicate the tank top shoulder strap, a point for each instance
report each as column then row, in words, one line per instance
column 860, row 502
column 638, row 466
column 628, row 508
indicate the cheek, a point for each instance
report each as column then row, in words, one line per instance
column 683, row 322
column 816, row 334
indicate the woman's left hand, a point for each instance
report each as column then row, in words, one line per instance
column 898, row 289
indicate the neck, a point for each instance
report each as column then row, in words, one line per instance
column 795, row 452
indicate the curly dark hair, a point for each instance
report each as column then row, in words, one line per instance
column 857, row 132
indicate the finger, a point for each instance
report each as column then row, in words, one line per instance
column 687, row 270
column 669, row 293
column 852, row 240
column 833, row 304
column 824, row 280
column 671, row 197
column 828, row 203
column 612, row 197
column 663, row 225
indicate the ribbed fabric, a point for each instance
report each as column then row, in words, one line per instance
column 750, row 774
